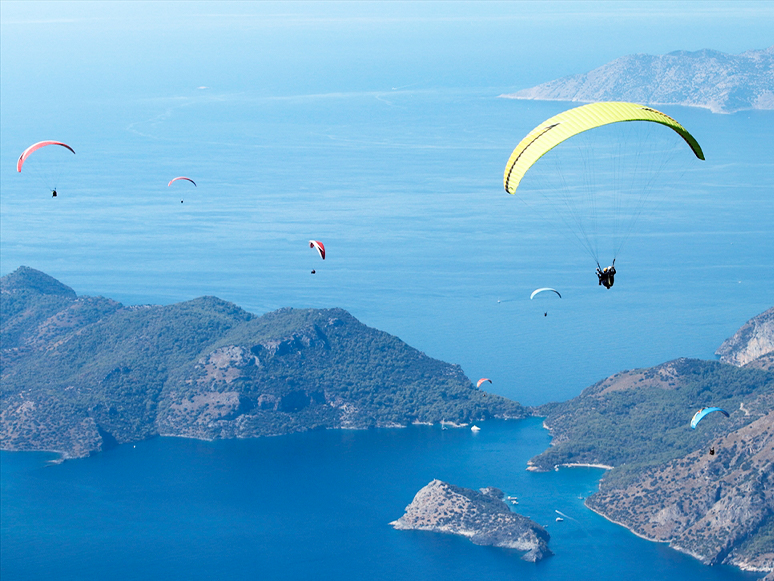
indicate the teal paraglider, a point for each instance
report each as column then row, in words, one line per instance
column 699, row 416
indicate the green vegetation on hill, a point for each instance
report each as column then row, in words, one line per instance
column 665, row 484
column 641, row 418
column 81, row 373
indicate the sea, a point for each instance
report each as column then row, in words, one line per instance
column 398, row 171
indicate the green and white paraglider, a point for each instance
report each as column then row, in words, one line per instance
column 544, row 290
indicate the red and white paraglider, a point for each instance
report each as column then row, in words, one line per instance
column 482, row 380
column 320, row 247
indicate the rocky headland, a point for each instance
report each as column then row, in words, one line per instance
column 664, row 484
column 80, row 374
column 480, row 515
column 752, row 344
column 720, row 82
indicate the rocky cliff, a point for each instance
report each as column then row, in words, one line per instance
column 754, row 340
column 80, row 374
column 721, row 82
column 481, row 516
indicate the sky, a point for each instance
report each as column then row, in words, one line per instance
column 84, row 50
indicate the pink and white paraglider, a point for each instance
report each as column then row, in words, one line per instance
column 181, row 178
column 33, row 148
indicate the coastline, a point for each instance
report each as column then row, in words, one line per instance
column 585, row 503
column 582, row 465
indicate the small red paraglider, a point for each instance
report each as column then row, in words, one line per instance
column 316, row 244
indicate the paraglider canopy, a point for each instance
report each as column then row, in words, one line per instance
column 181, row 178
column 540, row 290
column 593, row 168
column 703, row 412
column 34, row 147
column 560, row 127
column 482, row 380
column 316, row 244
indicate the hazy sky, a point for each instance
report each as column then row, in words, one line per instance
column 59, row 48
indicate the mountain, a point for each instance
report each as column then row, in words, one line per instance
column 480, row 515
column 80, row 374
column 723, row 83
column 664, row 484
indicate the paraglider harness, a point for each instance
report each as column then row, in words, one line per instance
column 606, row 275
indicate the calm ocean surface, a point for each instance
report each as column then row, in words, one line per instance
column 391, row 152
column 307, row 506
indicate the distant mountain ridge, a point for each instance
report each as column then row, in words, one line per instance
column 664, row 484
column 80, row 374
column 720, row 82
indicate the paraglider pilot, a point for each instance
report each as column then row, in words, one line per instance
column 606, row 275
column 53, row 193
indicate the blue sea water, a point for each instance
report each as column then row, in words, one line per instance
column 307, row 506
column 381, row 135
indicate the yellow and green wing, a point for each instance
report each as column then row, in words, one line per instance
column 553, row 131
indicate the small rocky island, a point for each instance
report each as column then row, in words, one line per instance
column 482, row 516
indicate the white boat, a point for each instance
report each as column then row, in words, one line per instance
column 475, row 429
column 559, row 519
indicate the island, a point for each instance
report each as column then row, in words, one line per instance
column 720, row 82
column 708, row 491
column 81, row 374
column 480, row 515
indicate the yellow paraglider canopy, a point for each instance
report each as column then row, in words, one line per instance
column 560, row 127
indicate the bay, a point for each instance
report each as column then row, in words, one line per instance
column 314, row 505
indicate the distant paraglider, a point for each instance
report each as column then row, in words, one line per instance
column 703, row 413
column 181, row 178
column 542, row 290
column 482, row 380
column 34, row 147
column 49, row 178
column 317, row 245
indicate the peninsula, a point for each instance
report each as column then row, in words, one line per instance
column 720, row 82
column 81, row 374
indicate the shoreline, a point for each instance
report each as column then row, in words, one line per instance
column 582, row 465
column 615, row 522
